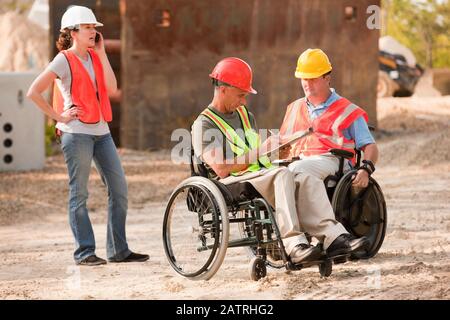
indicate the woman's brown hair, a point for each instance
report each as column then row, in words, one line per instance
column 65, row 40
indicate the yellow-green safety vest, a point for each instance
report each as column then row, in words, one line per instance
column 238, row 146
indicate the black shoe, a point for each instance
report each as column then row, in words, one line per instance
column 133, row 257
column 357, row 244
column 91, row 261
column 304, row 253
column 339, row 246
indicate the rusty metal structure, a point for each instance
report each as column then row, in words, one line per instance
column 168, row 48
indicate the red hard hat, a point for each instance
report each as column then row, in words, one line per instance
column 235, row 72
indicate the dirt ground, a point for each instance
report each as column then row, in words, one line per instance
column 414, row 263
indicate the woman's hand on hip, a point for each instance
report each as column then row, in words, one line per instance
column 71, row 114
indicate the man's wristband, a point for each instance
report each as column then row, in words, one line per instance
column 366, row 170
column 368, row 166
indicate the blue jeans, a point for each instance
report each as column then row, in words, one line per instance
column 79, row 151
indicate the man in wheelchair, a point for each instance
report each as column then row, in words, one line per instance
column 337, row 125
column 233, row 156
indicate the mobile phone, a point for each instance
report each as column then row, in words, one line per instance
column 97, row 37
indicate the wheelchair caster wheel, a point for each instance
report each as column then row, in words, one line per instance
column 326, row 268
column 257, row 269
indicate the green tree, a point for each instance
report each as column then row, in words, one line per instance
column 421, row 25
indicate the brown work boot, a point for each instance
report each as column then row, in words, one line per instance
column 133, row 257
column 91, row 261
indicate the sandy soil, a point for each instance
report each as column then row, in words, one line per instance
column 413, row 263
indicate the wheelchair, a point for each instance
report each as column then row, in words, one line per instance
column 197, row 219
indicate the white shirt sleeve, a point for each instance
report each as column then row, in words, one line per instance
column 60, row 66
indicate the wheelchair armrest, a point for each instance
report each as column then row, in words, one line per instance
column 341, row 153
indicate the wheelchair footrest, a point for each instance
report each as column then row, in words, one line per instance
column 336, row 260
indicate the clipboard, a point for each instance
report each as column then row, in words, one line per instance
column 292, row 139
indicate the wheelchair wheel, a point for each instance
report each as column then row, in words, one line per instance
column 363, row 212
column 257, row 269
column 326, row 268
column 273, row 251
column 196, row 229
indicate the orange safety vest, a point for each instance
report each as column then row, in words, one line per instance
column 328, row 127
column 83, row 91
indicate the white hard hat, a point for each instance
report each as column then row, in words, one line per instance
column 76, row 15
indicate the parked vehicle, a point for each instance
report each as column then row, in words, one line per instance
column 399, row 72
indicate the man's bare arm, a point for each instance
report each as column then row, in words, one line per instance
column 371, row 152
column 223, row 168
column 362, row 177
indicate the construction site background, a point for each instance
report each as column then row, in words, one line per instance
column 414, row 174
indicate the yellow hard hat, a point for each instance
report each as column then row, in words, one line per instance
column 312, row 64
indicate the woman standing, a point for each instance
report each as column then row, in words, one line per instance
column 83, row 79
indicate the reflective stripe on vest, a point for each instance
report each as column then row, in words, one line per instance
column 237, row 145
column 252, row 136
column 328, row 127
column 292, row 119
column 93, row 102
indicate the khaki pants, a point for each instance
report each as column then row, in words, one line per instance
column 314, row 210
column 277, row 186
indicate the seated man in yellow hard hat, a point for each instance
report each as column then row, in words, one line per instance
column 337, row 124
column 234, row 154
